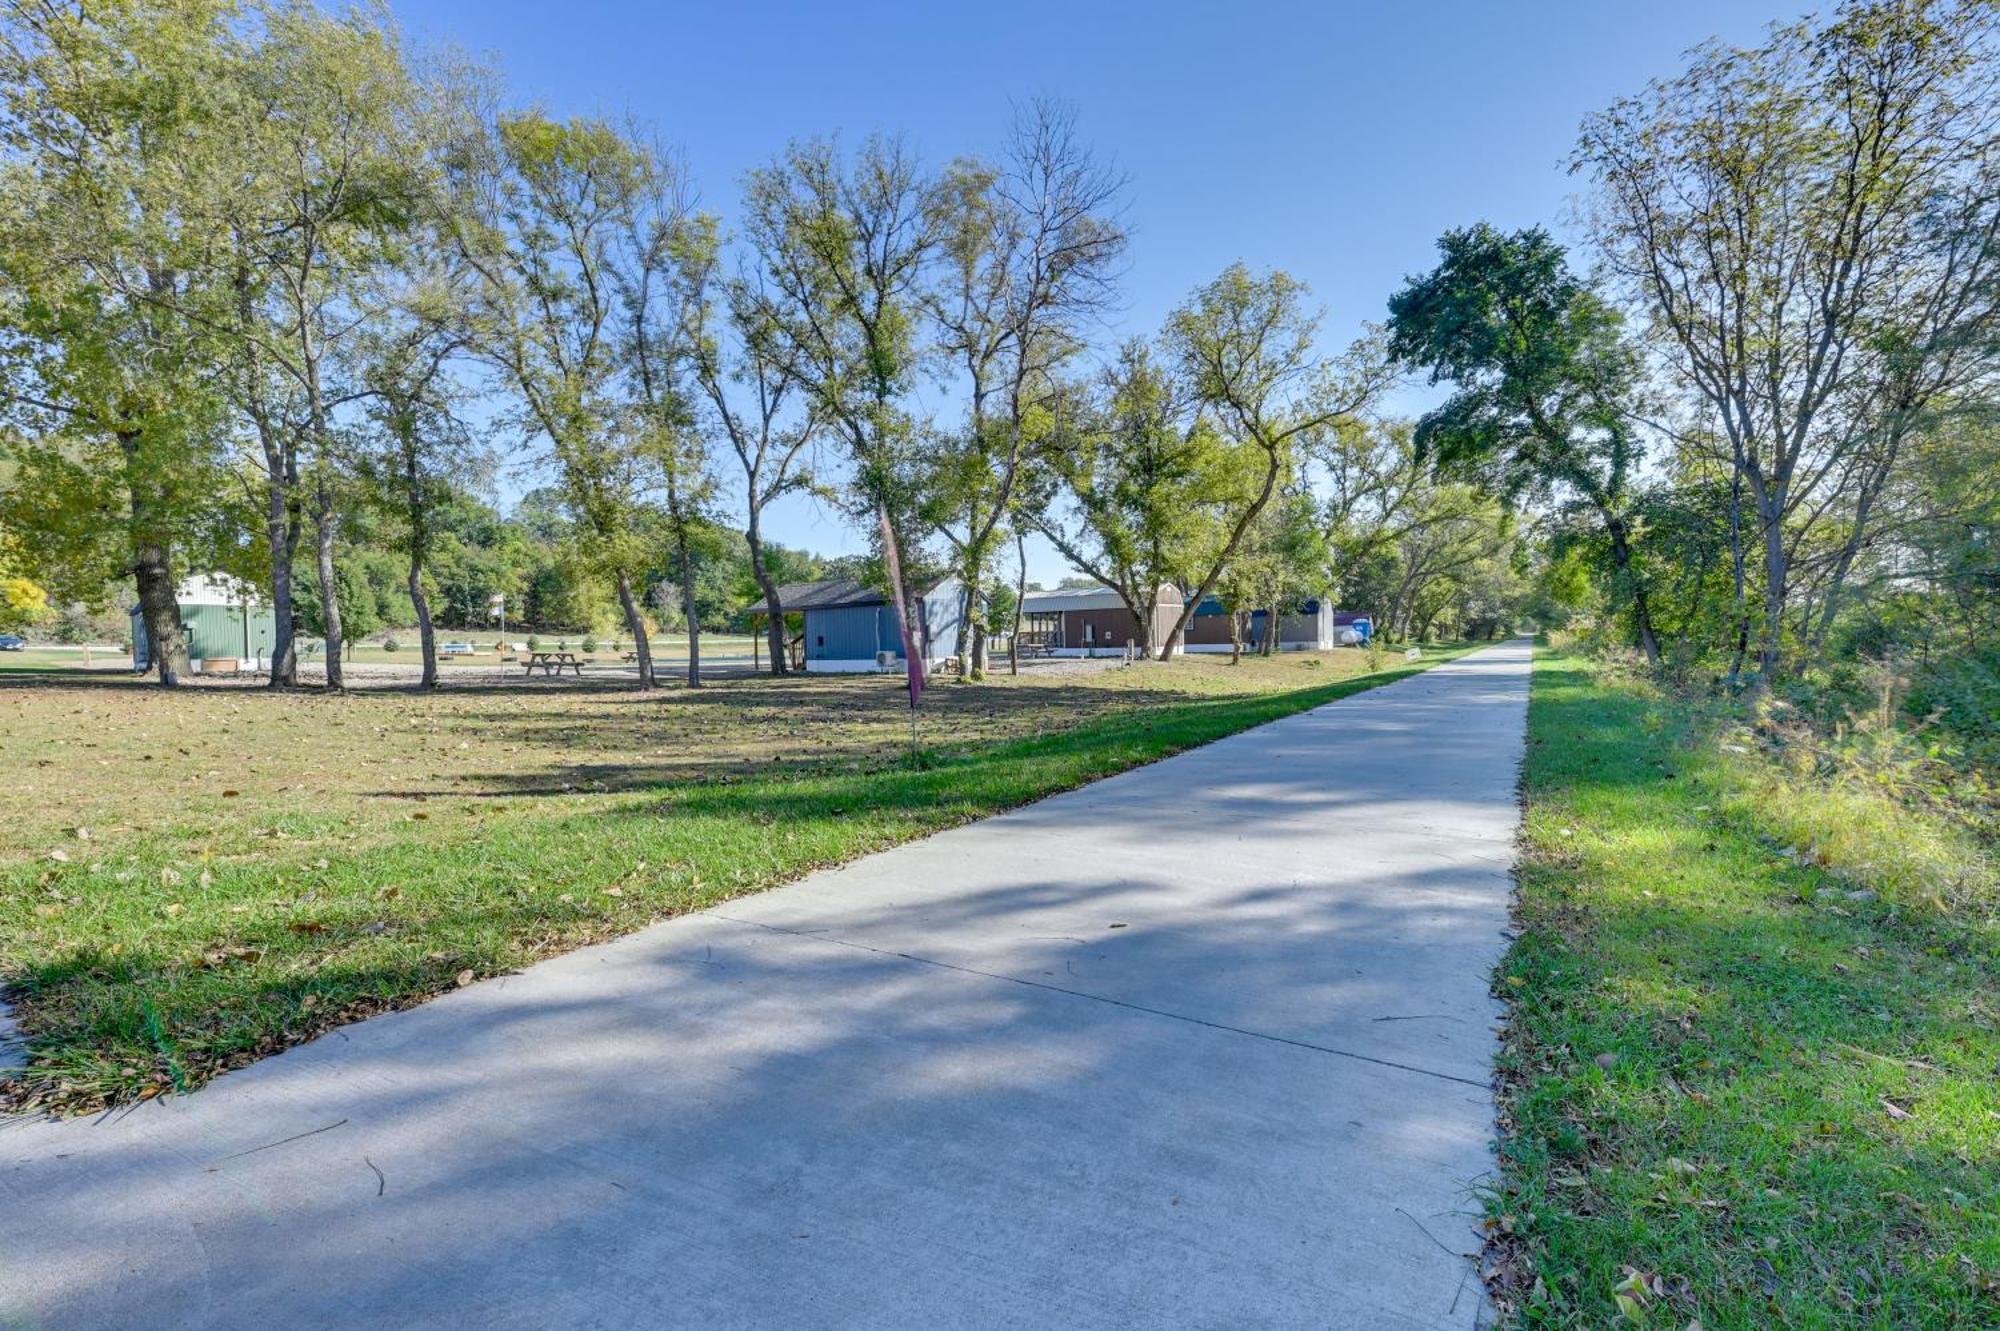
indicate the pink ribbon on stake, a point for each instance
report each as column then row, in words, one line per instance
column 902, row 611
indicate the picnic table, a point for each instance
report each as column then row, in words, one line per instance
column 552, row 663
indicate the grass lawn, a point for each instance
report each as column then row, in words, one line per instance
column 195, row 878
column 1751, row 1075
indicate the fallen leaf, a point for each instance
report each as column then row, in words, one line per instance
column 464, row 978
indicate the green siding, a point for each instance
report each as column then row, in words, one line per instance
column 215, row 630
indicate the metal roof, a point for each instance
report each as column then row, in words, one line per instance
column 828, row 595
column 1071, row 598
column 839, row 592
column 1088, row 598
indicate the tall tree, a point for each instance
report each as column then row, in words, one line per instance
column 424, row 450
column 1133, row 485
column 754, row 401
column 1245, row 347
column 659, row 292
column 115, row 122
column 1028, row 255
column 1809, row 225
column 1546, row 384
column 840, row 254
column 330, row 181
column 548, row 231
column 1283, row 556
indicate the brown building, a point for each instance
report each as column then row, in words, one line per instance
column 1093, row 621
column 1309, row 625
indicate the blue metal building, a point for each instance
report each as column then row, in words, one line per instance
column 851, row 627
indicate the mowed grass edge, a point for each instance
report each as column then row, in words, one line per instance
column 1744, row 1082
column 177, row 967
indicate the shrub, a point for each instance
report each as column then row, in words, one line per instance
column 590, row 642
column 391, row 645
column 534, row 642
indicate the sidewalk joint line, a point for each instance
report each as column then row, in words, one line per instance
column 1114, row 1002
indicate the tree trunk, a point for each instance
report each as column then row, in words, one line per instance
column 1775, row 573
column 976, row 604
column 1020, row 594
column 972, row 629
column 961, row 646
column 1235, row 637
column 327, row 524
column 1737, row 571
column 281, row 532
column 636, row 622
column 687, row 604
column 1190, row 604
column 159, row 611
column 1621, row 559
column 152, row 568
column 426, row 634
column 775, row 630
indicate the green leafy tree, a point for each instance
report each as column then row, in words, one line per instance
column 1028, row 253
column 840, row 251
column 1808, row 225
column 1133, row 486
column 751, row 398
column 1283, row 558
column 660, row 306
column 1546, row 385
column 117, row 122
column 548, row 229
column 1244, row 345
column 331, row 176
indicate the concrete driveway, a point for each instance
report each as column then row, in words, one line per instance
column 1205, row 1044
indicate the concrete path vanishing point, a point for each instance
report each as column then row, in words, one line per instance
column 1205, row 1044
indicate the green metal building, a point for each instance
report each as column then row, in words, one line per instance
column 221, row 619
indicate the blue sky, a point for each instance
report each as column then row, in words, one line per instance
column 1334, row 140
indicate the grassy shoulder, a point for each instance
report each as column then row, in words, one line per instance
column 265, row 867
column 1751, row 1073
